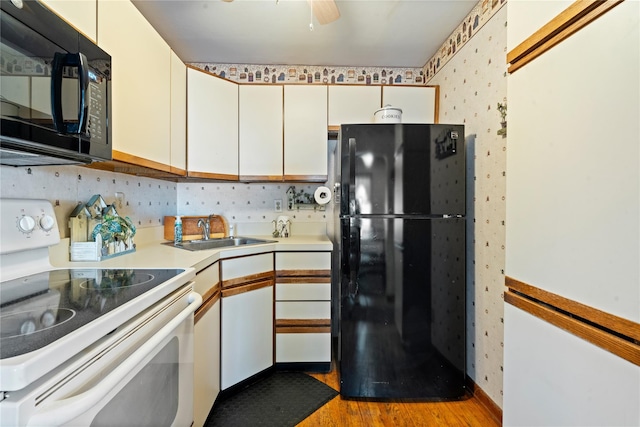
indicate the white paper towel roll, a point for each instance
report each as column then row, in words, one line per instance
column 322, row 195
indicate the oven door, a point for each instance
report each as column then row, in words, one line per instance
column 143, row 375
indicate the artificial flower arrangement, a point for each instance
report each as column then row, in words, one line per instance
column 98, row 232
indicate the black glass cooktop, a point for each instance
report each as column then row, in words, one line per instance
column 37, row 310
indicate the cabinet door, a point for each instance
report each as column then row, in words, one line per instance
column 141, row 64
column 212, row 126
column 261, row 152
column 178, row 115
column 305, row 133
column 353, row 104
column 247, row 335
column 206, row 363
column 418, row 103
column 80, row 14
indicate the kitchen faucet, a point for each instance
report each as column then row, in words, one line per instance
column 206, row 226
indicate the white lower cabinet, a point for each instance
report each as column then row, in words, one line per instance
column 247, row 317
column 206, row 364
column 247, row 335
column 303, row 308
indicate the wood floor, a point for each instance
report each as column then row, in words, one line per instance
column 340, row 412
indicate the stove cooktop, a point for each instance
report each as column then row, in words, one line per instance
column 39, row 309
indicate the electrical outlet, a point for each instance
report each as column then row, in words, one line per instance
column 277, row 205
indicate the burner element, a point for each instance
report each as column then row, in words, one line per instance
column 116, row 279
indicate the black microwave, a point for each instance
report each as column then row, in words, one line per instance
column 55, row 90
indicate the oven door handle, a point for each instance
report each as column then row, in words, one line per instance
column 65, row 410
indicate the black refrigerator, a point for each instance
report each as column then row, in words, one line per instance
column 401, row 244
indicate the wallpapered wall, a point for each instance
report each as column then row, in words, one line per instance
column 239, row 202
column 472, row 83
column 146, row 201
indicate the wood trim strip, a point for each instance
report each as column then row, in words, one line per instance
column 494, row 410
column 306, row 178
column 246, row 288
column 139, row 161
column 136, row 170
column 303, row 273
column 436, row 113
column 230, row 283
column 209, row 175
column 178, row 171
column 603, row 339
column 600, row 318
column 580, row 14
column 212, row 291
column 303, row 329
column 303, row 279
column 261, row 178
column 204, row 308
column 303, row 322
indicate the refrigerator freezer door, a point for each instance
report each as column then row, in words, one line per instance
column 402, row 308
column 409, row 169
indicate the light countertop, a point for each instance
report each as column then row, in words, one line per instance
column 153, row 253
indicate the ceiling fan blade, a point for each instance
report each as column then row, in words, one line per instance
column 325, row 11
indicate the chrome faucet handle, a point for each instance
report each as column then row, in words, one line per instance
column 205, row 228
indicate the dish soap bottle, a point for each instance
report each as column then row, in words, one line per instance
column 177, row 231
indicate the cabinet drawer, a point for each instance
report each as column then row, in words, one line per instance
column 207, row 280
column 246, row 266
column 303, row 309
column 303, row 291
column 305, row 347
column 303, row 261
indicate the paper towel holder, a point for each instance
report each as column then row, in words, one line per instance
column 302, row 200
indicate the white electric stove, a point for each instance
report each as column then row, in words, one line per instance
column 75, row 342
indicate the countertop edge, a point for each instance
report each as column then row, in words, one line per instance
column 155, row 254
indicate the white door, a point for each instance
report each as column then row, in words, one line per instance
column 247, row 335
column 261, row 133
column 305, row 132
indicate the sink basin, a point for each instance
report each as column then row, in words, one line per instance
column 199, row 245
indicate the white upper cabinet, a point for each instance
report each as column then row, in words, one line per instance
column 178, row 115
column 418, row 103
column 353, row 104
column 141, row 64
column 305, row 133
column 80, row 14
column 260, row 133
column 212, row 126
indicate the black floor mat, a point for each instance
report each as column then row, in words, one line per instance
column 282, row 399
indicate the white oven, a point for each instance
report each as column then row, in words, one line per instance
column 95, row 347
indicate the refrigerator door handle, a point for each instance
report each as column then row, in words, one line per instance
column 353, row 204
column 354, row 259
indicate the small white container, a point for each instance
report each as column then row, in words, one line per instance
column 388, row 114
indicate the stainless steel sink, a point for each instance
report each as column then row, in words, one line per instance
column 199, row 245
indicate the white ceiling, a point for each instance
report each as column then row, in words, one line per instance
column 387, row 33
